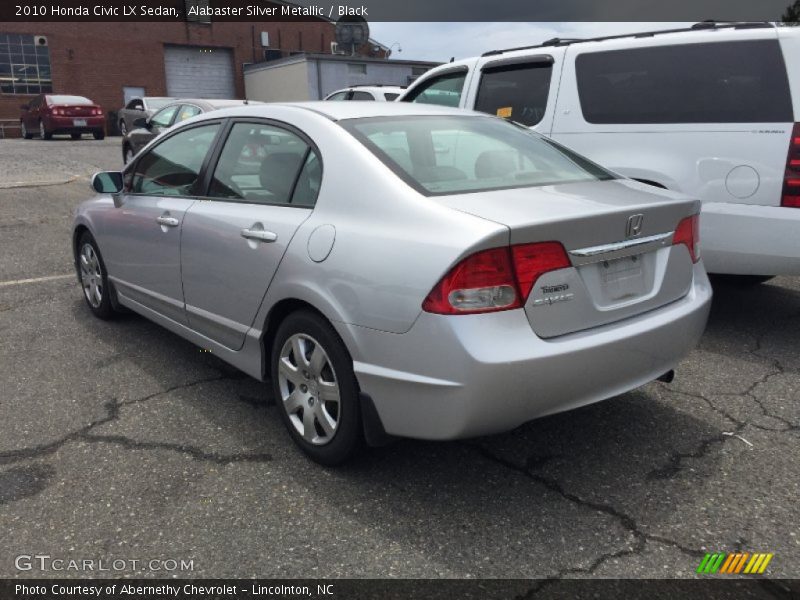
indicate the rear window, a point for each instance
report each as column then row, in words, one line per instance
column 518, row 91
column 73, row 100
column 451, row 155
column 721, row 82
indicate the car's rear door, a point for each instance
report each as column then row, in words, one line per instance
column 141, row 235
column 262, row 185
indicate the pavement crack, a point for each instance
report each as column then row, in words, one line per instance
column 641, row 538
column 112, row 408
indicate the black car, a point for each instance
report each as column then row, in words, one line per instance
column 147, row 128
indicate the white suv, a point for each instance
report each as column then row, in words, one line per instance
column 709, row 111
column 379, row 93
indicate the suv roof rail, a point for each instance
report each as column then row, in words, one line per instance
column 701, row 26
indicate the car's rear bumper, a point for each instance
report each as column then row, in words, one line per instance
column 460, row 376
column 67, row 124
column 746, row 239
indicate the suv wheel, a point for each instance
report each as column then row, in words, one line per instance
column 315, row 388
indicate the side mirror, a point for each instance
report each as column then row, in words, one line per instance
column 142, row 122
column 25, row 106
column 109, row 182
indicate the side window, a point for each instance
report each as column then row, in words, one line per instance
column 261, row 163
column 444, row 90
column 339, row 96
column 173, row 166
column 390, row 96
column 135, row 104
column 718, row 82
column 362, row 96
column 187, row 111
column 518, row 92
column 164, row 117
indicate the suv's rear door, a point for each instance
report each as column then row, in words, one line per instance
column 520, row 86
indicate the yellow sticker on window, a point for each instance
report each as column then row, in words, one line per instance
column 504, row 112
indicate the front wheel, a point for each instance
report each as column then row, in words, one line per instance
column 94, row 279
column 127, row 154
column 123, row 129
column 315, row 388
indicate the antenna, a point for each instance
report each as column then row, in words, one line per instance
column 351, row 32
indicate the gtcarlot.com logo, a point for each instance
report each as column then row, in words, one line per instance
column 45, row 562
column 734, row 563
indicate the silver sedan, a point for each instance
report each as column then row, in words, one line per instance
column 397, row 270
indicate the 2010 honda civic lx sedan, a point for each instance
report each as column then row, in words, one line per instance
column 397, row 269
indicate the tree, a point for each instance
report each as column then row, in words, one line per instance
column 792, row 14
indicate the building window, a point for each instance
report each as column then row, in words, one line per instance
column 270, row 54
column 199, row 6
column 357, row 68
column 24, row 64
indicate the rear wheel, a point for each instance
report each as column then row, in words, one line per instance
column 24, row 131
column 99, row 135
column 75, row 136
column 43, row 133
column 315, row 388
column 94, row 279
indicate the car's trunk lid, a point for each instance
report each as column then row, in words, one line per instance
column 618, row 236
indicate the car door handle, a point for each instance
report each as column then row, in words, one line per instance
column 168, row 221
column 259, row 234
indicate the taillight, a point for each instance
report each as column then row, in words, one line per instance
column 688, row 233
column 97, row 111
column 791, row 177
column 495, row 279
column 58, row 111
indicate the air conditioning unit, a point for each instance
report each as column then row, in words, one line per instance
column 40, row 40
column 335, row 49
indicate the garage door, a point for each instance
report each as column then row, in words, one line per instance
column 194, row 72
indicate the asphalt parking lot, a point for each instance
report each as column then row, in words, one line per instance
column 119, row 440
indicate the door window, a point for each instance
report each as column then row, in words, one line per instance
column 444, row 90
column 518, row 92
column 173, row 166
column 264, row 164
column 362, row 96
column 164, row 117
column 187, row 111
column 339, row 96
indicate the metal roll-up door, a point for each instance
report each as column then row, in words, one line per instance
column 195, row 72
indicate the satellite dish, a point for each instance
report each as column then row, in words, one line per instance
column 351, row 32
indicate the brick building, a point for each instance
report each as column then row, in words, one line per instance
column 111, row 61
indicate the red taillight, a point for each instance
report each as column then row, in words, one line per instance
column 790, row 197
column 688, row 233
column 495, row 279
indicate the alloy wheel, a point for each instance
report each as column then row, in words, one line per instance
column 123, row 129
column 309, row 389
column 91, row 275
column 42, row 132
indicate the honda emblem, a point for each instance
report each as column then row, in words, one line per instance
column 634, row 226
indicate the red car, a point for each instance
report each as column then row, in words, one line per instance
column 49, row 114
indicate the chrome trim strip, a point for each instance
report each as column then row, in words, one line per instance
column 583, row 256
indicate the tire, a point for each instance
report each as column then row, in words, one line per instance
column 742, row 281
column 298, row 384
column 99, row 135
column 127, row 154
column 43, row 133
column 75, row 136
column 94, row 278
column 123, row 129
column 24, row 131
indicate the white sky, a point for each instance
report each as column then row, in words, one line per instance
column 440, row 41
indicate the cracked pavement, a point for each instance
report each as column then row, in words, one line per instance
column 120, row 440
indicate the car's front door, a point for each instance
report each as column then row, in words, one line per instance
column 264, row 185
column 142, row 234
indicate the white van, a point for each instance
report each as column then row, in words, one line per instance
column 709, row 111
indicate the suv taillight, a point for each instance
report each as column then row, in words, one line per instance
column 791, row 178
column 688, row 233
column 495, row 279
